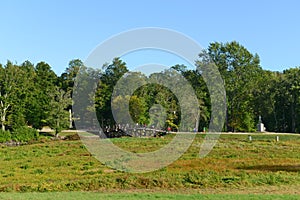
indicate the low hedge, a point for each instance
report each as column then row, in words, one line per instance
column 5, row 136
column 24, row 134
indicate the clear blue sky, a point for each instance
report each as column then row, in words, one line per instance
column 56, row 31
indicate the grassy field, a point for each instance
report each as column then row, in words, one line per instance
column 137, row 196
column 235, row 166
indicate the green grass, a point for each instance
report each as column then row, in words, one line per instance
column 235, row 165
column 136, row 196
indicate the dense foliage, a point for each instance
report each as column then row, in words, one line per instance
column 33, row 95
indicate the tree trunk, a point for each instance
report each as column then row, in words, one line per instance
column 70, row 119
column 3, row 112
column 3, row 117
column 57, row 129
column 3, row 126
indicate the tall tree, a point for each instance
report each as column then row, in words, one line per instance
column 103, row 96
column 67, row 78
column 290, row 96
column 239, row 69
column 29, row 99
column 67, row 81
column 46, row 81
column 266, row 99
column 13, row 85
column 201, row 91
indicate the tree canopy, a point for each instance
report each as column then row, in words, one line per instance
column 33, row 95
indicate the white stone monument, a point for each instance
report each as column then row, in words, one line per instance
column 260, row 125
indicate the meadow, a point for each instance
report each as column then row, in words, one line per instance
column 235, row 168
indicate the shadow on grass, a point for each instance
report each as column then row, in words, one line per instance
column 273, row 168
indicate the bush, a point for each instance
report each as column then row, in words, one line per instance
column 5, row 136
column 25, row 134
column 72, row 137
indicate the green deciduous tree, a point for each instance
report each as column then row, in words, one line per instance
column 45, row 84
column 13, row 95
column 58, row 117
column 240, row 71
column 290, row 100
column 103, row 96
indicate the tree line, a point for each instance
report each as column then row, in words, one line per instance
column 33, row 95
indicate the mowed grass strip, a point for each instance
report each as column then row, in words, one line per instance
column 235, row 163
column 138, row 196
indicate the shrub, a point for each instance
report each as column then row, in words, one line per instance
column 5, row 136
column 72, row 137
column 24, row 134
